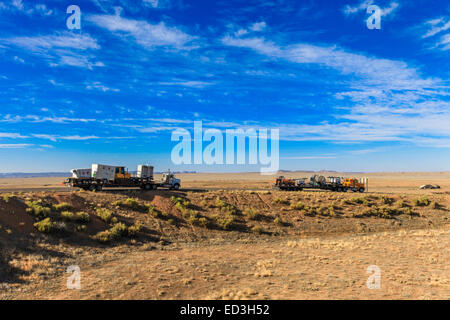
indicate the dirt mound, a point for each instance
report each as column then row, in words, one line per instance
column 13, row 215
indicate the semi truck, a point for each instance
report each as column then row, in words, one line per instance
column 106, row 176
column 338, row 184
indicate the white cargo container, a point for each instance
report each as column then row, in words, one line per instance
column 81, row 173
column 103, row 172
column 145, row 171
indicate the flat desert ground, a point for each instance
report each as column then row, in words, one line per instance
column 227, row 236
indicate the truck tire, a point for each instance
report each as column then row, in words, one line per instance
column 99, row 187
column 154, row 186
column 339, row 189
column 176, row 186
column 91, row 187
column 361, row 190
column 147, row 186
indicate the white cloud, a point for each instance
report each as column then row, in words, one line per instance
column 60, row 49
column 258, row 26
column 362, row 6
column 146, row 34
column 33, row 118
column 101, row 87
column 437, row 25
column 388, row 100
column 15, row 146
column 186, row 83
column 11, row 135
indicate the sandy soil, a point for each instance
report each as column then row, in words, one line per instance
column 413, row 265
column 232, row 244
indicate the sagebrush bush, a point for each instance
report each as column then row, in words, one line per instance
column 67, row 216
column 298, row 205
column 252, row 213
column 104, row 214
column 424, row 201
column 257, row 229
column 63, row 206
column 45, row 226
column 37, row 209
column 278, row 220
column 281, row 201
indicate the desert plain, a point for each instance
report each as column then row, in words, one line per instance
column 227, row 236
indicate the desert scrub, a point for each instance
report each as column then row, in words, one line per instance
column 252, row 213
column 309, row 211
column 67, row 216
column 103, row 236
column 134, row 229
column 386, row 200
column 257, row 230
column 82, row 217
column 281, row 201
column 226, row 222
column 45, row 226
column 298, row 205
column 104, row 214
column 37, row 209
column 6, row 198
column 225, row 207
column 422, row 202
column 401, row 204
column 63, row 206
column 278, row 221
column 435, row 205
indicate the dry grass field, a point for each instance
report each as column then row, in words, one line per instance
column 225, row 242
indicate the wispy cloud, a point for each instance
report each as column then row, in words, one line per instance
column 34, row 118
column 146, row 34
column 59, row 49
column 362, row 6
column 15, row 146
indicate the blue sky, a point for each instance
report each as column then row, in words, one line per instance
column 343, row 97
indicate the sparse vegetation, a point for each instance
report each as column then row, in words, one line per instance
column 104, row 214
column 422, row 202
column 36, row 208
column 252, row 213
column 298, row 205
column 63, row 206
column 278, row 221
column 281, row 201
column 257, row 229
column 45, row 226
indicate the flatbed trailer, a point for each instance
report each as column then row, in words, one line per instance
column 92, row 184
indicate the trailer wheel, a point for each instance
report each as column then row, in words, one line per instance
column 361, row 190
column 339, row 189
column 91, row 187
column 154, row 186
column 99, row 187
column 147, row 186
column 345, row 189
